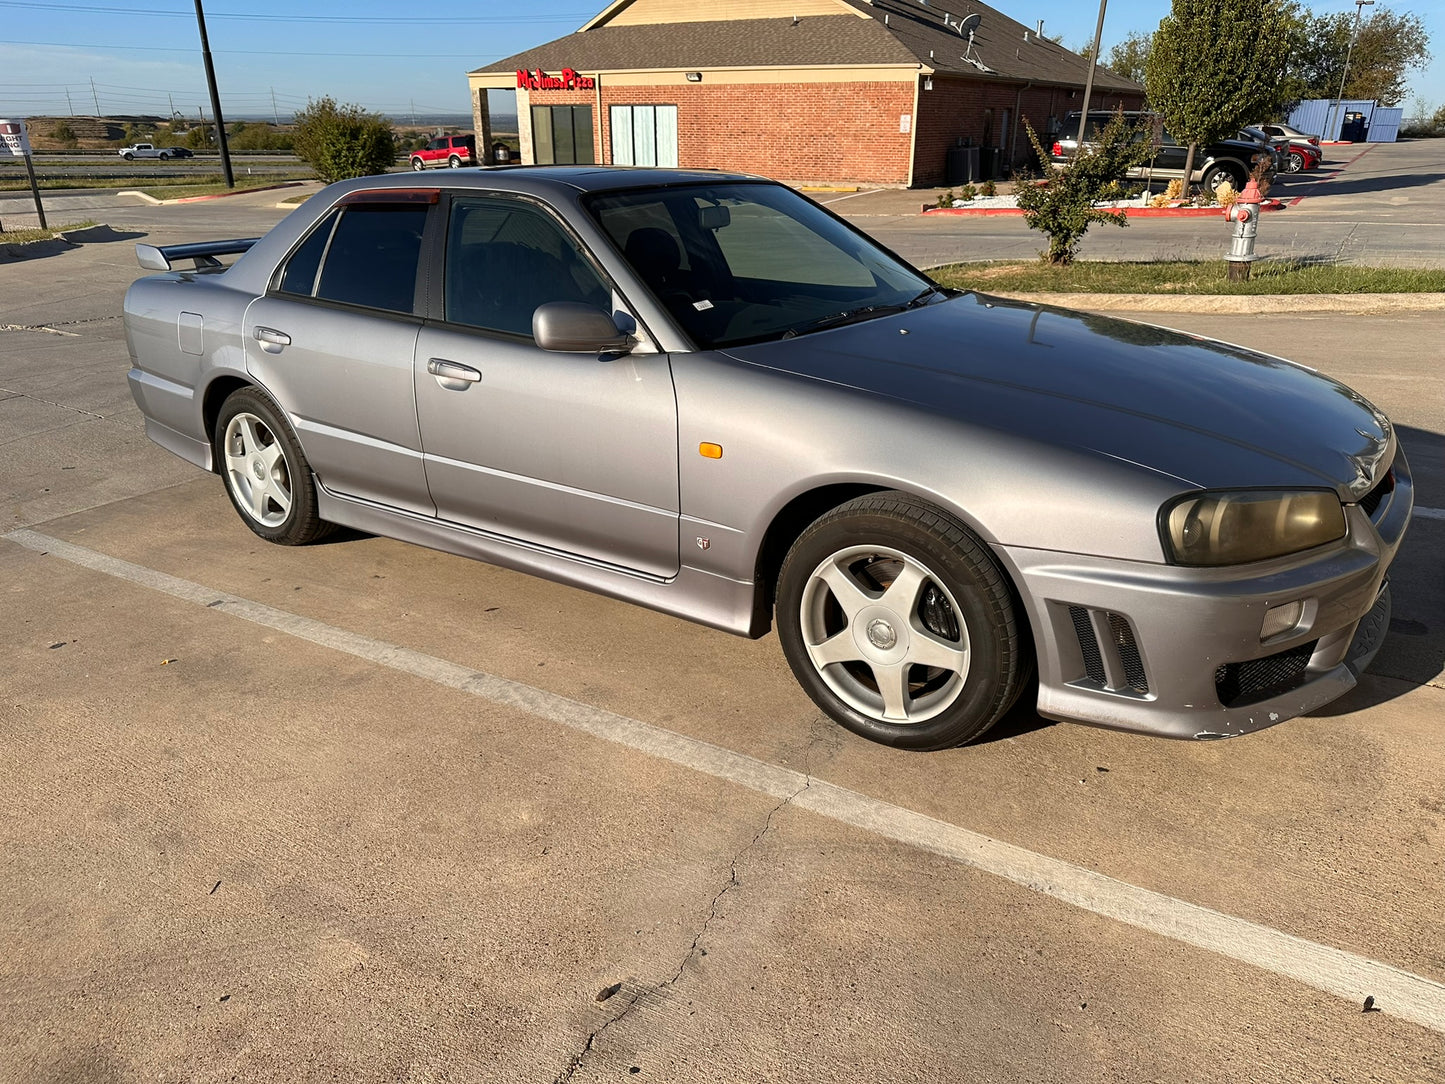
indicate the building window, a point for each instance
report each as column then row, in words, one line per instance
column 644, row 135
column 562, row 135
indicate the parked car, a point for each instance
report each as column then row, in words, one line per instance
column 1293, row 134
column 1227, row 160
column 453, row 151
column 1277, row 146
column 1291, row 155
column 150, row 150
column 704, row 393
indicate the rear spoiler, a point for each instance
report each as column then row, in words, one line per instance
column 204, row 253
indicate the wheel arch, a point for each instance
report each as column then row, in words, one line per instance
column 216, row 393
column 794, row 517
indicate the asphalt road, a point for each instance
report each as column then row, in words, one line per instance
column 362, row 811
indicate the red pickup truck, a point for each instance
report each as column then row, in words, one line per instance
column 453, row 151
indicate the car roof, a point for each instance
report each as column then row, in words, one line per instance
column 551, row 179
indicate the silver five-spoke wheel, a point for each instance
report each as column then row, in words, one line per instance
column 899, row 623
column 884, row 634
column 257, row 470
column 266, row 473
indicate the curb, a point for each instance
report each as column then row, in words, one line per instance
column 214, row 195
column 1131, row 212
column 1244, row 305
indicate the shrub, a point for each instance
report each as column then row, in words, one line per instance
column 340, row 141
column 989, row 188
column 946, row 199
column 968, row 193
column 1063, row 209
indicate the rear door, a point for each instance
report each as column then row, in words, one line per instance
column 574, row 453
column 333, row 341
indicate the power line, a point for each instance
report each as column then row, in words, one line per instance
column 254, row 17
column 113, row 47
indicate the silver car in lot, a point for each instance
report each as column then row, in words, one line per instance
column 704, row 393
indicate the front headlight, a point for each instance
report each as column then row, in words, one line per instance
column 1210, row 529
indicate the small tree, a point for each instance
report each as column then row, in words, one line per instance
column 1128, row 56
column 1063, row 208
column 340, row 141
column 1213, row 67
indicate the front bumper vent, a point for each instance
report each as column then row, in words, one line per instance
column 1370, row 502
column 1110, row 652
column 1240, row 683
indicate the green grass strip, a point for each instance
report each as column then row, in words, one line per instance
column 1270, row 276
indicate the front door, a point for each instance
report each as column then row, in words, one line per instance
column 571, row 452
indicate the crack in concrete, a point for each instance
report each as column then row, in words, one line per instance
column 693, row 950
column 8, row 395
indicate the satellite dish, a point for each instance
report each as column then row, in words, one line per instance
column 968, row 24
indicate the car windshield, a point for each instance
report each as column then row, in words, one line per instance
column 743, row 262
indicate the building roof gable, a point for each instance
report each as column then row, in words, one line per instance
column 860, row 32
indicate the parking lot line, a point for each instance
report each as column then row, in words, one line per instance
column 1343, row 974
column 1430, row 513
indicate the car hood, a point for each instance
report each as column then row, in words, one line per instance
column 1207, row 413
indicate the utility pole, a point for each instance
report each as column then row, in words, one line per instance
column 275, row 113
column 69, row 104
column 215, row 98
column 94, row 97
column 172, row 100
column 1360, row 6
column 1089, row 80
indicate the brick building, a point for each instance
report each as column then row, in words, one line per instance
column 870, row 91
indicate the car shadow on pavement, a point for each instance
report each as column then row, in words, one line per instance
column 1347, row 186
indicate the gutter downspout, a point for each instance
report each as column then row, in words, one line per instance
column 603, row 147
column 913, row 127
column 1013, row 149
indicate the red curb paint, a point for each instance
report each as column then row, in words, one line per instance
column 1132, row 212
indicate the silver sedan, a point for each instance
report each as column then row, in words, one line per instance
column 705, row 394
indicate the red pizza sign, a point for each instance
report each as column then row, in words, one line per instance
column 540, row 80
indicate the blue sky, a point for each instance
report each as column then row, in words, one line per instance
column 144, row 56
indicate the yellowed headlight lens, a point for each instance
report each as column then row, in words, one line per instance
column 1210, row 529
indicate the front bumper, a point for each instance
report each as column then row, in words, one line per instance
column 1177, row 652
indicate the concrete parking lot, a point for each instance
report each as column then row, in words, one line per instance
column 362, row 811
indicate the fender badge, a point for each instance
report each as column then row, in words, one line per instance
column 704, row 543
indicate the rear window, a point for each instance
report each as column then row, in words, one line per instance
column 364, row 254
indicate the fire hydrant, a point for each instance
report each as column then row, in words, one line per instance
column 1244, row 213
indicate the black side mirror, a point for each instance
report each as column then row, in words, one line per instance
column 574, row 328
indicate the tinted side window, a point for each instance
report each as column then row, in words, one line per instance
column 505, row 258
column 372, row 258
column 300, row 274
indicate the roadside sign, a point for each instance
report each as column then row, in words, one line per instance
column 14, row 143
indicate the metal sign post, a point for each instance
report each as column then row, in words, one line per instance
column 14, row 143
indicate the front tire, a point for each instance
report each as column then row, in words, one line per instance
column 417, row 165
column 128, row 157
column 266, row 473
column 1295, row 163
column 898, row 623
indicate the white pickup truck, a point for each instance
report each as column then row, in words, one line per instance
column 148, row 150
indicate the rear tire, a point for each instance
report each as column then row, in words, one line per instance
column 1217, row 175
column 266, row 473
column 900, row 625
column 454, row 161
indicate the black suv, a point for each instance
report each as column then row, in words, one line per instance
column 1229, row 160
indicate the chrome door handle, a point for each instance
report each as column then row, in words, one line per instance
column 271, row 340
column 452, row 376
